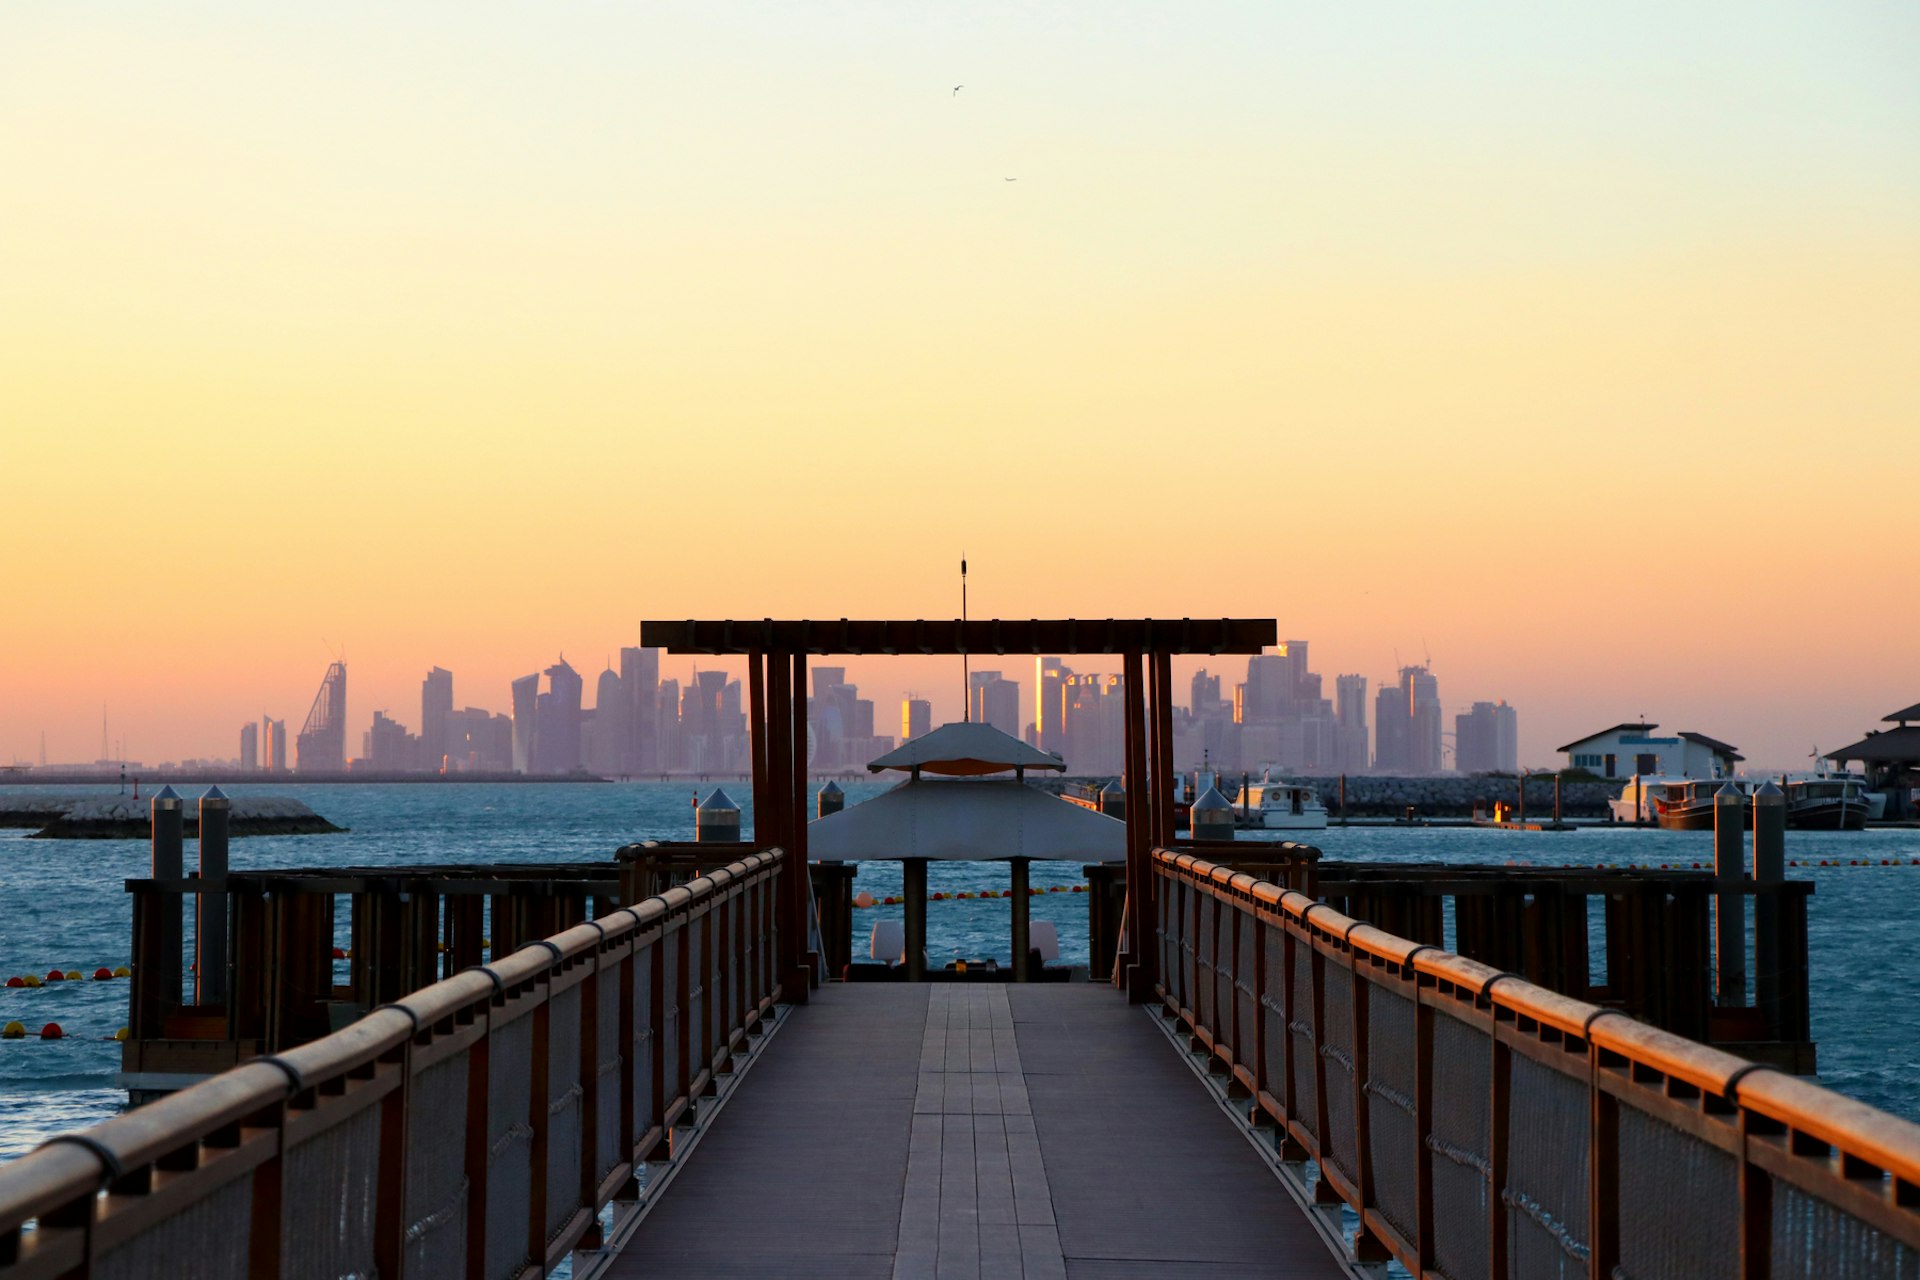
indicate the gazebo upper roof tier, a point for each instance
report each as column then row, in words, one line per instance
column 952, row 636
column 965, row 750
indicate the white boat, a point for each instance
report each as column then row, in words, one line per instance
column 1278, row 805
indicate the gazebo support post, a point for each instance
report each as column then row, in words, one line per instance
column 1162, row 770
column 1022, row 944
column 791, row 907
column 797, row 823
column 913, row 884
column 757, row 730
column 1133, row 975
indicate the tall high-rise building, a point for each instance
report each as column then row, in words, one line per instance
column 273, row 744
column 609, row 728
column 479, row 741
column 995, row 701
column 322, row 744
column 1350, row 723
column 249, row 747
column 556, row 716
column 436, row 704
column 916, row 718
column 640, row 686
column 526, row 721
column 1406, row 724
column 389, row 748
column 1486, row 739
column 1050, row 677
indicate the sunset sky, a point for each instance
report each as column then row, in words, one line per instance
column 1578, row 347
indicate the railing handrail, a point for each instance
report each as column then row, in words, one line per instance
column 1865, row 1160
column 65, row 1174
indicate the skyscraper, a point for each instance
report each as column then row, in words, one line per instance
column 1050, row 676
column 996, row 701
column 610, row 728
column 273, row 744
column 916, row 718
column 1350, row 720
column 322, row 744
column 1486, row 739
column 249, row 747
column 1406, row 724
column 526, row 707
column 556, row 735
column 436, row 704
column 640, row 686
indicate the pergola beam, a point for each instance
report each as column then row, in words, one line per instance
column 952, row 636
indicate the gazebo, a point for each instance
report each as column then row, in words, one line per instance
column 1891, row 757
column 968, row 815
column 777, row 651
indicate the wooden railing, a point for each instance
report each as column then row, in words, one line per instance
column 477, row 1127
column 1481, row 1126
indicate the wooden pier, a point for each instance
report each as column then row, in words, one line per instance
column 663, row 1085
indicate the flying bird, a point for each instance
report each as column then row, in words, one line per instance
column 1009, row 179
column 957, row 88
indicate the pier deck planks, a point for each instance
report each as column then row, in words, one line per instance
column 973, row 1130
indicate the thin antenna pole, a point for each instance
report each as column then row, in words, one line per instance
column 966, row 677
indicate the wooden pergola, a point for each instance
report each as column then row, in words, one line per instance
column 777, row 653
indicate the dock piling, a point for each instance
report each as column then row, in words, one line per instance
column 1729, row 909
column 169, row 863
column 1769, row 868
column 210, row 922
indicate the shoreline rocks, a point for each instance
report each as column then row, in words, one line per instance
column 124, row 818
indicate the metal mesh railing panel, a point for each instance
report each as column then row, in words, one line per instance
column 1549, row 1127
column 1183, row 946
column 1341, row 1140
column 1392, row 1139
column 1273, row 1010
column 1815, row 1240
column 332, row 1181
column 670, row 1015
column 1304, row 1049
column 509, row 1144
column 607, row 1061
column 1203, row 954
column 698, row 1050
column 1679, row 1204
column 1458, row 1144
column 1223, row 975
column 437, row 1186
column 215, row 1232
column 644, row 1113
column 1245, row 1023
column 565, row 1108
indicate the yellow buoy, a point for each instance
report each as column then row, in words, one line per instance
column 74, row 975
column 31, row 979
column 122, row 971
column 122, row 1034
column 13, row 1031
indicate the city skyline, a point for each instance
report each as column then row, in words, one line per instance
column 1279, row 691
column 467, row 344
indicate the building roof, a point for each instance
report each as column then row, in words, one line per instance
column 1641, row 728
column 1714, row 745
column 966, row 749
column 972, row 820
column 1885, row 746
column 1904, row 714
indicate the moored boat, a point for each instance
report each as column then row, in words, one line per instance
column 1278, row 805
column 1686, row 804
column 1824, row 801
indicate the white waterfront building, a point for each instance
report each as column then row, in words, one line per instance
column 1627, row 749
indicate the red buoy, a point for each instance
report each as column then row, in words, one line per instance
column 103, row 974
column 16, row 981
column 54, row 975
column 51, row 1031
column 338, row 954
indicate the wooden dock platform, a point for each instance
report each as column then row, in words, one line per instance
column 967, row 1130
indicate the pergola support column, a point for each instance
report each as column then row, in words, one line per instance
column 1022, row 930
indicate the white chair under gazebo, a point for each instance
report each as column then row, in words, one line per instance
column 964, row 814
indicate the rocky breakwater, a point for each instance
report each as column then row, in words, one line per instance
column 125, row 818
column 1457, row 797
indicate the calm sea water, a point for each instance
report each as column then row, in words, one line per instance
column 63, row 904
